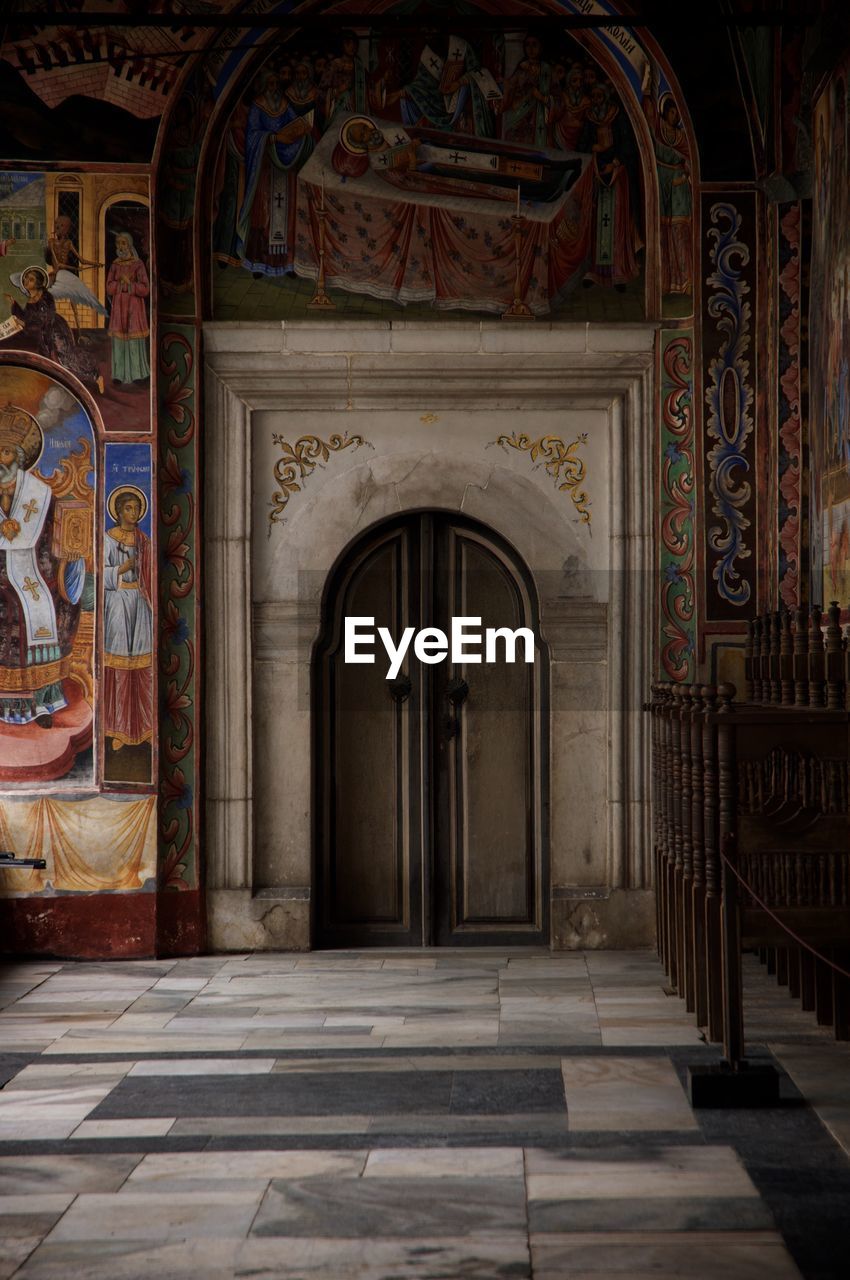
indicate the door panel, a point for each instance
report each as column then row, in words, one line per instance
column 430, row 795
column 371, row 865
column 491, row 885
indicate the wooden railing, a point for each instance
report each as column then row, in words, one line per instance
column 751, row 826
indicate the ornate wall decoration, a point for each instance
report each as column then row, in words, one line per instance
column 299, row 460
column 729, row 395
column 561, row 462
column 790, row 424
column 178, row 623
column 677, row 595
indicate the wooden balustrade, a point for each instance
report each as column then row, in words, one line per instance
column 761, row 788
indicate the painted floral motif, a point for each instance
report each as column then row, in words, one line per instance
column 177, row 651
column 729, row 397
column 676, row 526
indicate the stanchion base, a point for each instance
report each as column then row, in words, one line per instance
column 717, row 1085
column 321, row 302
column 518, row 311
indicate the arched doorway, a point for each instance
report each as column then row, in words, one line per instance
column 430, row 788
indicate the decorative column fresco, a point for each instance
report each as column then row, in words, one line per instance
column 677, row 493
column 789, row 402
column 178, row 618
column 729, row 355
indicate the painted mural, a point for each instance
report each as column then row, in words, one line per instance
column 128, row 593
column 76, row 282
column 48, row 596
column 469, row 170
column 830, row 395
column 730, row 351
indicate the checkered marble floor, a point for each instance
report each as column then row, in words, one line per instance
column 382, row 1115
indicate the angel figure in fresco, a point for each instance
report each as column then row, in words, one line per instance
column 46, row 333
column 127, row 622
column 64, row 264
column 127, row 286
column 674, row 188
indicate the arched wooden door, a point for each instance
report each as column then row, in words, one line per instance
column 431, row 790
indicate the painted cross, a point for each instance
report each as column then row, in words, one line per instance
column 279, row 198
column 31, row 510
column 457, row 157
column 32, row 588
column 435, row 63
column 606, row 219
column 400, row 138
column 516, row 168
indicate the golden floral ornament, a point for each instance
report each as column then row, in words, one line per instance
column 10, row 529
column 298, row 461
column 561, row 461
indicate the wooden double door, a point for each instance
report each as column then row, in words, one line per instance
column 430, row 789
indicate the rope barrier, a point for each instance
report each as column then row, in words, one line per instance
column 801, row 942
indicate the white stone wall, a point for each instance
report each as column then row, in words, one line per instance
column 429, row 400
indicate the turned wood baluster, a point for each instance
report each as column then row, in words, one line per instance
column 816, row 659
column 775, row 659
column 733, row 1005
column 667, row 804
column 711, row 912
column 766, row 637
column 697, row 913
column 755, row 663
column 801, row 658
column 786, row 660
column 749, row 649
column 685, row 871
column 655, row 727
column 834, row 659
column 675, row 863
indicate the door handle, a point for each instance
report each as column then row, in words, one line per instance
column 457, row 691
column 400, row 688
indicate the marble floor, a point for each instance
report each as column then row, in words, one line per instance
column 389, row 1115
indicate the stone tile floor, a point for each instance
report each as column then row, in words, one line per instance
column 391, row 1115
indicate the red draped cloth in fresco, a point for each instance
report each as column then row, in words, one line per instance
column 449, row 246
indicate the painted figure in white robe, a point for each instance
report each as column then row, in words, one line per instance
column 40, row 591
column 127, row 623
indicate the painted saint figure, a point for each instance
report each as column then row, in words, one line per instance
column 614, row 235
column 40, row 590
column 278, row 140
column 127, row 286
column 674, row 193
column 344, row 82
column 527, row 104
column 127, row 623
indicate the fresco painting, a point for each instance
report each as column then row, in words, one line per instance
column 830, row 383
column 392, row 173
column 127, row 696
column 76, row 283
column 47, row 582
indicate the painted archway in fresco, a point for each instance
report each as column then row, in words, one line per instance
column 390, row 161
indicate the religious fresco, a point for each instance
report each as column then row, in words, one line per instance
column 830, row 382
column 75, row 269
column 48, row 596
column 414, row 172
column 127, row 707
